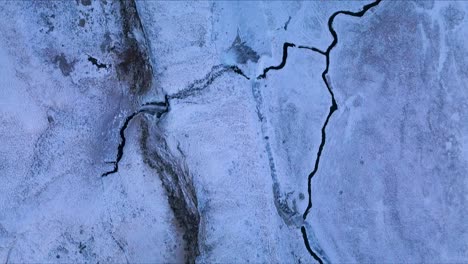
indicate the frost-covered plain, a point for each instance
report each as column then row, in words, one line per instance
column 179, row 131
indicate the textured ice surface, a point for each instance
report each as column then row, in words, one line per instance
column 212, row 152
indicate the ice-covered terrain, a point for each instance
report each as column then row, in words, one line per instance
column 233, row 131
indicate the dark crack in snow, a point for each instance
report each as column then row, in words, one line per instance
column 333, row 108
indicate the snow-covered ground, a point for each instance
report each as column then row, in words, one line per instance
column 393, row 179
column 179, row 131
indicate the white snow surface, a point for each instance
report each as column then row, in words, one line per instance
column 391, row 185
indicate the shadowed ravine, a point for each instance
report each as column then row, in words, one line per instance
column 177, row 182
column 172, row 170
